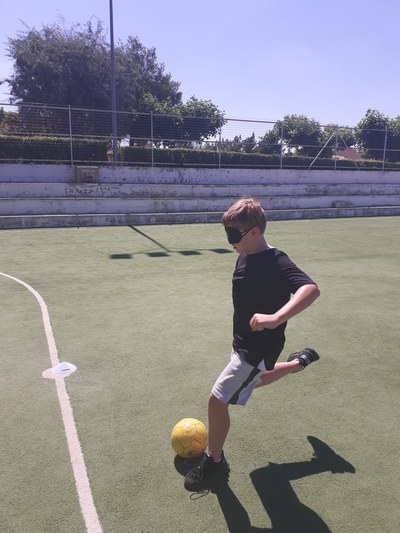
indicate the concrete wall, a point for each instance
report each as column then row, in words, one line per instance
column 67, row 174
column 53, row 195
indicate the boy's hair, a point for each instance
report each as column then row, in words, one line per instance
column 245, row 213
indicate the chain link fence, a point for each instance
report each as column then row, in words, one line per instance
column 38, row 133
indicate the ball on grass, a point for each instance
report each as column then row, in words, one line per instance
column 189, row 438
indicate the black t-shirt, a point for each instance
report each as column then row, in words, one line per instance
column 262, row 283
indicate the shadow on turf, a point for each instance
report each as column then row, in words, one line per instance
column 166, row 251
column 272, row 483
column 165, row 254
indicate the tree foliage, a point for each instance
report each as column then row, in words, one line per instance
column 61, row 65
column 138, row 73
column 371, row 131
column 172, row 125
column 378, row 136
column 247, row 145
column 70, row 66
column 294, row 134
column 10, row 122
column 338, row 137
column 271, row 142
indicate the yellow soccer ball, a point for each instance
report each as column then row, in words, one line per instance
column 189, row 438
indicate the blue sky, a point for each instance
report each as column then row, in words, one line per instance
column 260, row 59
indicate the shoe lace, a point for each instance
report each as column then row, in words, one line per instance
column 201, row 494
column 198, row 467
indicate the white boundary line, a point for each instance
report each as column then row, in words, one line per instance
column 78, row 464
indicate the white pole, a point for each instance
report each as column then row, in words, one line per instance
column 113, row 93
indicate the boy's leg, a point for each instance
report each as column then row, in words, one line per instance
column 296, row 361
column 214, row 464
column 279, row 371
column 233, row 386
column 218, row 426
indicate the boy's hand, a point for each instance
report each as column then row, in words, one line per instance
column 259, row 322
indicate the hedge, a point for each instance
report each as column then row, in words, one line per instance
column 202, row 158
column 58, row 150
column 51, row 149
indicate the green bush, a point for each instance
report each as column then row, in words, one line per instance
column 198, row 158
column 179, row 157
column 169, row 156
column 51, row 149
column 58, row 150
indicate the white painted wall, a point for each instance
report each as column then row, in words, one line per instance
column 108, row 174
column 49, row 195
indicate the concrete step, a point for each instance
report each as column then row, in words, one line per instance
column 137, row 219
column 239, row 176
column 171, row 190
column 161, row 175
column 78, row 205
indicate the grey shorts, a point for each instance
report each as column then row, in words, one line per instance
column 237, row 381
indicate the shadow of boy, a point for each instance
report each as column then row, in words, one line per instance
column 272, row 482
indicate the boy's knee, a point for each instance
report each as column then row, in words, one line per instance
column 214, row 403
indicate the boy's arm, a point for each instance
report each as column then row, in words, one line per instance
column 301, row 299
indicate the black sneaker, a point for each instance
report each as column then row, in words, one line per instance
column 184, row 465
column 199, row 477
column 305, row 357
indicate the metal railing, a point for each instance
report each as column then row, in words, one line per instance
column 38, row 133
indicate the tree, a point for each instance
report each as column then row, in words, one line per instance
column 378, row 136
column 271, row 142
column 61, row 66
column 301, row 134
column 237, row 144
column 371, row 134
column 10, row 122
column 201, row 119
column 182, row 124
column 250, row 144
column 3, row 118
column 71, row 66
column 294, row 134
column 338, row 137
column 392, row 152
column 138, row 73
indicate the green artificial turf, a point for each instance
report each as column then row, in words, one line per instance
column 145, row 315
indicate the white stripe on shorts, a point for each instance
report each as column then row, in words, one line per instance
column 237, row 381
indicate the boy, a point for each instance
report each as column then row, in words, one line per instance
column 263, row 282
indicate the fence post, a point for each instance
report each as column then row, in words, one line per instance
column 336, row 148
column 152, row 138
column 384, row 148
column 220, row 140
column 281, row 162
column 70, row 135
